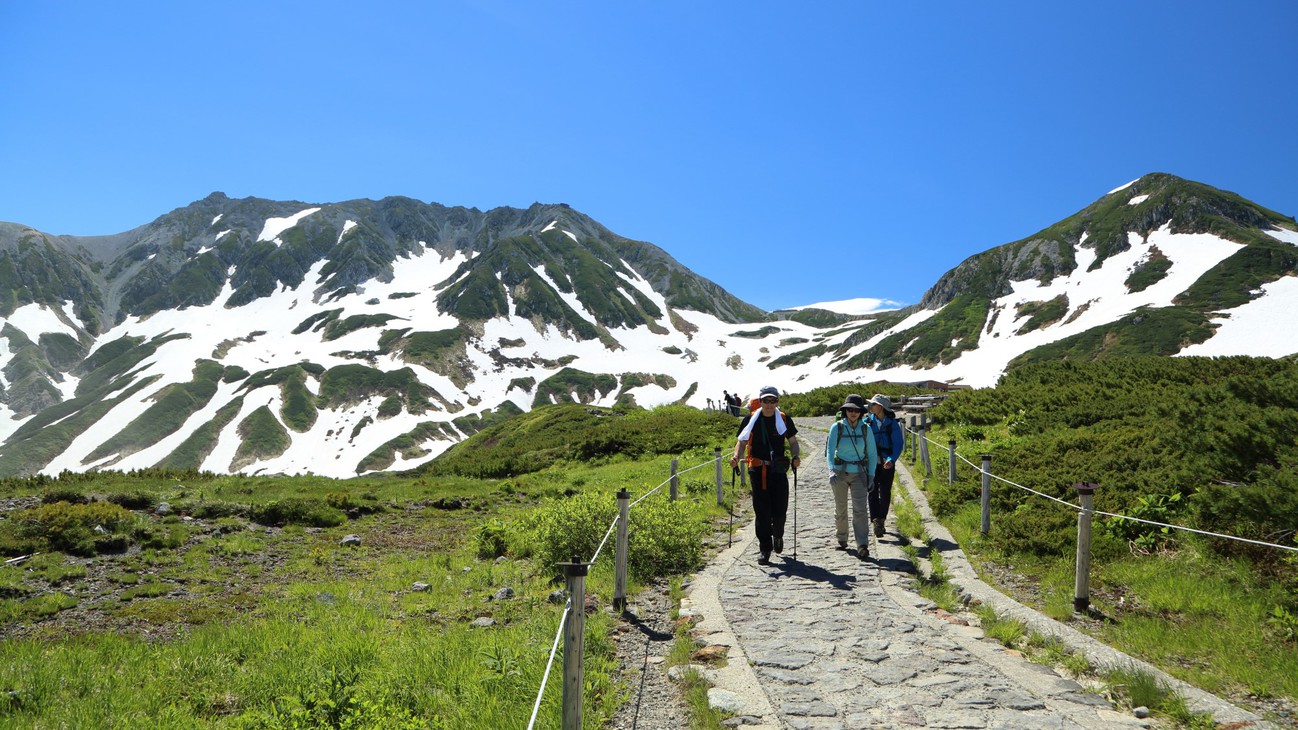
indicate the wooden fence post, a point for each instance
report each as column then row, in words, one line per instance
column 950, row 479
column 912, row 439
column 1081, row 590
column 574, row 633
column 619, row 577
column 987, row 494
column 721, row 482
column 923, row 444
column 676, row 480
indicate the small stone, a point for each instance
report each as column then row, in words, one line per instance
column 484, row 622
column 1141, row 712
column 503, row 594
column 163, row 508
column 711, row 654
column 350, row 540
column 557, row 596
column 725, row 701
column 420, row 587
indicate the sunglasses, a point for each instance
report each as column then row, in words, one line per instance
column 770, row 400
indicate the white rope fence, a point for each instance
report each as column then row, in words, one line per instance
column 554, row 649
column 568, row 608
column 978, row 468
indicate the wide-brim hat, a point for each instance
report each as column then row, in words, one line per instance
column 853, row 401
column 883, row 401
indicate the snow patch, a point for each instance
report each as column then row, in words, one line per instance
column 346, row 227
column 1283, row 234
column 1259, row 327
column 275, row 226
column 1138, row 200
column 1122, row 187
column 217, row 219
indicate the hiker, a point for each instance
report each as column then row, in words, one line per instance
column 890, row 441
column 762, row 435
column 853, row 458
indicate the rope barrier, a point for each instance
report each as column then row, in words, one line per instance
column 668, row 479
column 536, row 707
column 554, row 649
column 1111, row 514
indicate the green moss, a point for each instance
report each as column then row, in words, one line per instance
column 262, row 437
column 172, row 407
column 568, row 383
column 1164, row 331
column 194, row 450
column 1042, row 314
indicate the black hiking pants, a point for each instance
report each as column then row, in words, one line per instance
column 881, row 494
column 770, row 505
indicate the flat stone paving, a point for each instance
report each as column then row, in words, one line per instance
column 834, row 642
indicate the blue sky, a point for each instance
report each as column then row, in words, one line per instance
column 791, row 152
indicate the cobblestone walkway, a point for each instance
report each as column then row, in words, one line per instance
column 836, row 642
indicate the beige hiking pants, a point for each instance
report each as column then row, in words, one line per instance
column 856, row 483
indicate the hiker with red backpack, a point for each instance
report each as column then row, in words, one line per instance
column 853, row 458
column 890, row 441
column 760, row 445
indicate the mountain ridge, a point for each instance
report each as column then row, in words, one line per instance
column 267, row 336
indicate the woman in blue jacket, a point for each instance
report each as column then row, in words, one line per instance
column 890, row 441
column 852, row 459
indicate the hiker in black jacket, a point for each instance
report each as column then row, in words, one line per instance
column 760, row 446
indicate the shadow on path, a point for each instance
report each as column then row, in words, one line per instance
column 798, row 569
column 651, row 634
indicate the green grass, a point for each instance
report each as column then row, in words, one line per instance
column 1210, row 630
column 251, row 626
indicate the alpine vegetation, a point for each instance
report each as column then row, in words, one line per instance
column 266, row 337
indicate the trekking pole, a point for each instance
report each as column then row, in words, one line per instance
column 795, row 513
column 733, row 498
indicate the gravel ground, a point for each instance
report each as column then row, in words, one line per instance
column 643, row 641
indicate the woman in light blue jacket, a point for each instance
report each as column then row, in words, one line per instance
column 851, row 452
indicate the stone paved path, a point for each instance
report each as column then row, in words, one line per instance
column 825, row 640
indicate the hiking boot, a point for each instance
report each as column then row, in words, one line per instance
column 878, row 528
column 863, row 553
column 765, row 559
column 779, row 544
column 842, row 544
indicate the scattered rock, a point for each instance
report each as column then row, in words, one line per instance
column 163, row 508
column 725, row 701
column 557, row 596
column 420, row 587
column 503, row 594
column 484, row 621
column 350, row 541
column 711, row 654
column 1141, row 712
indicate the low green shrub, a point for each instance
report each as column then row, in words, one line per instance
column 298, row 511
column 491, row 540
column 63, row 526
column 64, row 494
column 136, row 500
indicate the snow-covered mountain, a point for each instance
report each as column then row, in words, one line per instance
column 280, row 337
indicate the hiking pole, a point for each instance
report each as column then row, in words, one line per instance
column 733, row 498
column 795, row 513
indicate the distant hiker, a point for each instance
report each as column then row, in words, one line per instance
column 853, row 458
column 762, row 435
column 729, row 400
column 890, row 441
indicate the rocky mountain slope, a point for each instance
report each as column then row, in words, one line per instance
column 266, row 336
